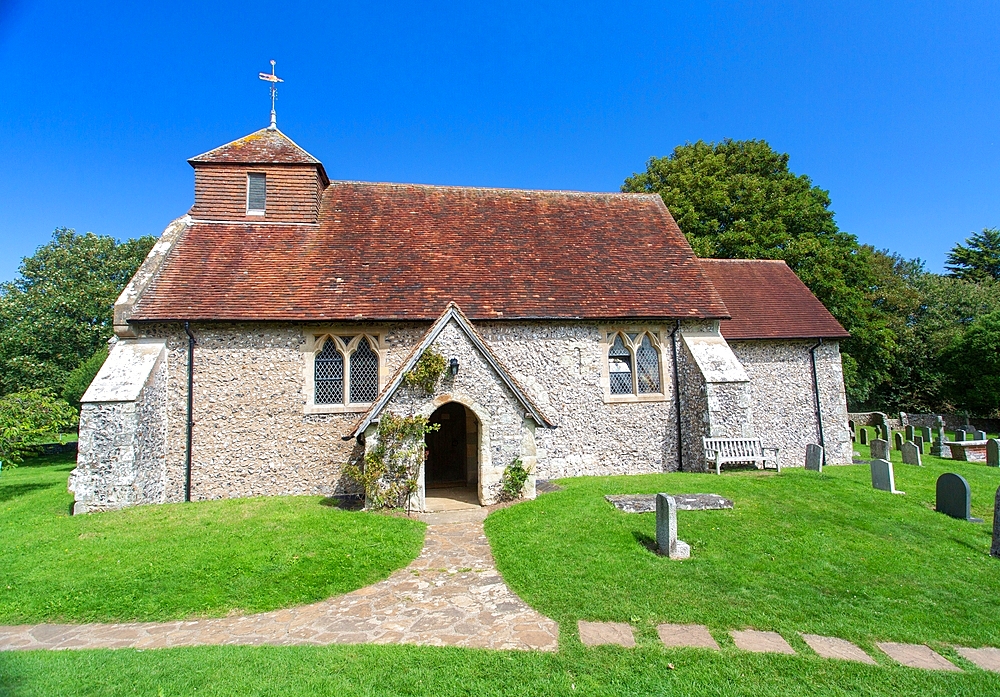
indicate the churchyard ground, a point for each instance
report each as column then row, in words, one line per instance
column 799, row 552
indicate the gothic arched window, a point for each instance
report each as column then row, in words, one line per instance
column 633, row 364
column 329, row 373
column 364, row 373
column 346, row 370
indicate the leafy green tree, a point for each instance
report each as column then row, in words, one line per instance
column 58, row 311
column 978, row 259
column 973, row 364
column 80, row 377
column 738, row 199
column 27, row 418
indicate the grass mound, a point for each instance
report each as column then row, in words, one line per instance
column 800, row 552
column 206, row 559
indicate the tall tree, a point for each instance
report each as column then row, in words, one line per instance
column 978, row 259
column 738, row 199
column 973, row 363
column 58, row 312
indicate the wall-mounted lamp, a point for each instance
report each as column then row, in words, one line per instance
column 453, row 367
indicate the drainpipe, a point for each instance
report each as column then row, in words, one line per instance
column 190, row 411
column 677, row 393
column 819, row 410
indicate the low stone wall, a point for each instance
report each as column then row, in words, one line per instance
column 953, row 421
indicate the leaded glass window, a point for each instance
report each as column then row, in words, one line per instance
column 620, row 367
column 329, row 374
column 647, row 366
column 364, row 373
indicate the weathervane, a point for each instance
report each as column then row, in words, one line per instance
column 274, row 80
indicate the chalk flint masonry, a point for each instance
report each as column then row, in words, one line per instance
column 585, row 338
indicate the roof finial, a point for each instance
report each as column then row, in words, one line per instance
column 274, row 80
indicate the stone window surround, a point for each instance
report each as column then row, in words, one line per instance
column 661, row 338
column 314, row 339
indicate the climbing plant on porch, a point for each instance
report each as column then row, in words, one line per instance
column 391, row 465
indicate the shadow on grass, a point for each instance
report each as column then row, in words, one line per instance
column 352, row 502
column 8, row 493
column 646, row 541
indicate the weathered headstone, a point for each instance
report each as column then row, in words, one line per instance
column 814, row 457
column 854, row 430
column 666, row 529
column 995, row 547
column 925, row 432
column 993, row 453
column 919, row 442
column 882, row 476
column 897, row 441
column 909, row 432
column 979, row 435
column 880, row 449
column 954, row 497
column 959, row 435
column 863, row 434
column 937, row 444
column 911, row 454
column 884, row 428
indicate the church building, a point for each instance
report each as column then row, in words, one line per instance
column 270, row 328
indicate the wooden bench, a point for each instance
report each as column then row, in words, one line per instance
column 723, row 451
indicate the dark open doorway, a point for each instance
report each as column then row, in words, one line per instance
column 447, row 451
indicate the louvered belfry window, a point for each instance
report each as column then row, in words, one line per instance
column 346, row 370
column 256, row 193
column 329, row 383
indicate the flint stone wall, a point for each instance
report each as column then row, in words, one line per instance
column 121, row 449
column 252, row 436
column 781, row 391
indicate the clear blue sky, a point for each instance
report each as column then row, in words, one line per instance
column 892, row 107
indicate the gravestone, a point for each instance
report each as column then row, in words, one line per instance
column 937, row 444
column 979, row 435
column 909, row 432
column 919, row 442
column 854, row 430
column 959, row 435
column 995, row 547
column 863, row 435
column 897, row 441
column 882, row 476
column 925, row 432
column 954, row 497
column 993, row 453
column 911, row 454
column 880, row 449
column 814, row 457
column 666, row 529
column 884, row 428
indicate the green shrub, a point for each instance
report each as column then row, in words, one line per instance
column 427, row 371
column 26, row 418
column 512, row 482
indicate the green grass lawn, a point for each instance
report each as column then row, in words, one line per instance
column 800, row 552
column 205, row 559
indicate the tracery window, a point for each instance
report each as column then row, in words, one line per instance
column 345, row 370
column 633, row 364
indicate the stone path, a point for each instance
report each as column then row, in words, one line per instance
column 451, row 595
column 698, row 636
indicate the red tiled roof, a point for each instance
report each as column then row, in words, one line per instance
column 266, row 146
column 768, row 301
column 395, row 251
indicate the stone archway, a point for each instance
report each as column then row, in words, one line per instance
column 457, row 452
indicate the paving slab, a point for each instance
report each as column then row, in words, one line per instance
column 450, row 595
column 602, row 633
column 917, row 656
column 695, row 635
column 832, row 647
column 760, row 642
column 986, row 658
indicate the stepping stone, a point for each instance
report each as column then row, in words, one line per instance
column 601, row 633
column 917, row 656
column 832, row 647
column 695, row 635
column 760, row 642
column 986, row 658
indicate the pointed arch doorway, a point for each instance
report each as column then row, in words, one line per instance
column 451, row 472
